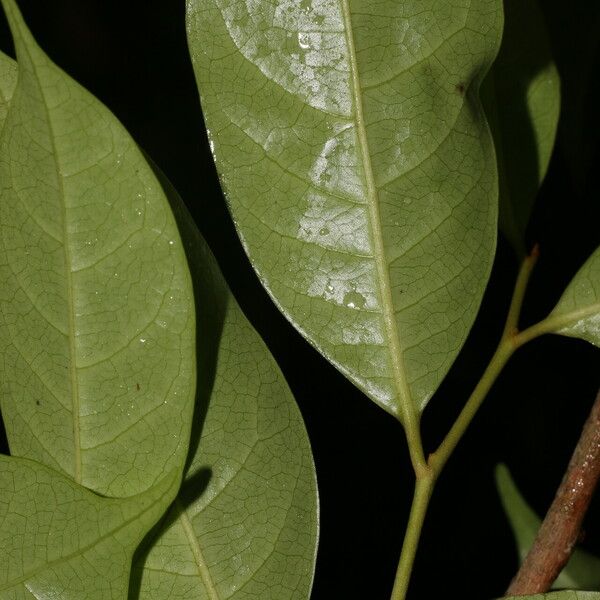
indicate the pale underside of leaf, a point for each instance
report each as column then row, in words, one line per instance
column 245, row 524
column 8, row 80
column 248, row 374
column 577, row 313
column 359, row 169
column 60, row 540
column 96, row 308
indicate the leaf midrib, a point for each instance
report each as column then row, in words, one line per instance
column 201, row 563
column 404, row 400
column 75, row 405
column 561, row 321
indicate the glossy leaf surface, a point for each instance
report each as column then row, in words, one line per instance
column 59, row 540
column 583, row 569
column 265, row 463
column 245, row 522
column 96, row 306
column 358, row 165
column 525, row 90
column 577, row 313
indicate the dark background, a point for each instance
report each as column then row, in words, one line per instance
column 133, row 56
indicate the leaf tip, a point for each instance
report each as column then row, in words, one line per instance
column 22, row 37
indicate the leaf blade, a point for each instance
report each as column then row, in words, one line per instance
column 8, row 81
column 245, row 523
column 526, row 103
column 97, row 310
column 80, row 545
column 300, row 159
column 577, row 313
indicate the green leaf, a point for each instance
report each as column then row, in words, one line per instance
column 526, row 100
column 359, row 168
column 8, row 81
column 59, row 540
column 563, row 595
column 577, row 313
column 583, row 569
column 245, row 523
column 253, row 456
column 96, row 306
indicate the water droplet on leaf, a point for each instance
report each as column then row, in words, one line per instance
column 303, row 41
column 354, row 300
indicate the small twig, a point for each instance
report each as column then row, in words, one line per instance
column 423, row 491
column 508, row 344
column 560, row 530
column 426, row 474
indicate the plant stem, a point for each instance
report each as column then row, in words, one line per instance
column 558, row 533
column 514, row 310
column 423, row 489
column 427, row 472
column 412, row 428
column 509, row 342
column 554, row 323
column 438, row 459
